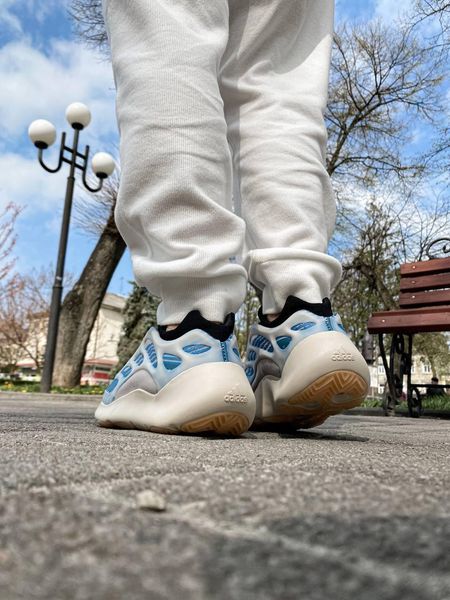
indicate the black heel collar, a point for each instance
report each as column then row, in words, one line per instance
column 195, row 320
column 292, row 305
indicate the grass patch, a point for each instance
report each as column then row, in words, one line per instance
column 372, row 402
column 33, row 386
column 437, row 402
column 433, row 403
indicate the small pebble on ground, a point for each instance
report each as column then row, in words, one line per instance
column 150, row 500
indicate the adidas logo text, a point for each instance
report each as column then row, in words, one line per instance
column 236, row 398
column 233, row 396
column 342, row 354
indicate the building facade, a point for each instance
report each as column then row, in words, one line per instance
column 101, row 354
column 421, row 372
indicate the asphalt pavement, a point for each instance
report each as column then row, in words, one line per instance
column 357, row 508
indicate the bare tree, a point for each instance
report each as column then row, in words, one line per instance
column 24, row 305
column 82, row 303
column 92, row 211
column 383, row 239
column 430, row 8
column 383, row 81
column 7, row 238
column 439, row 10
column 432, row 19
column 89, row 25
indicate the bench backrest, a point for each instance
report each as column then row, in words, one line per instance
column 425, row 283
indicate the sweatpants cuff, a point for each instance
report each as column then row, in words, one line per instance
column 213, row 297
column 279, row 272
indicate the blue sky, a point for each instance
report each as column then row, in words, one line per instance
column 43, row 69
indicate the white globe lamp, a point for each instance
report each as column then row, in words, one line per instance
column 78, row 115
column 42, row 133
column 103, row 164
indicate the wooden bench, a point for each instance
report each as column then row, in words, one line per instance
column 424, row 306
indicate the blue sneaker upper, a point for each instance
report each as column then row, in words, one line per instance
column 157, row 361
column 269, row 347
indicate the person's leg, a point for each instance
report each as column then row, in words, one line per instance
column 174, row 206
column 274, row 78
column 174, row 212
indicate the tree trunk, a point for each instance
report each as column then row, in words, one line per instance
column 82, row 304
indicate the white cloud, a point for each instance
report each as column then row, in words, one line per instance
column 8, row 20
column 41, row 10
column 39, row 82
column 24, row 182
column 36, row 85
column 389, row 10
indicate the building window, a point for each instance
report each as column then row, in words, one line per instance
column 381, row 369
column 426, row 368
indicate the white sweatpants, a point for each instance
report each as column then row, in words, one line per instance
column 222, row 144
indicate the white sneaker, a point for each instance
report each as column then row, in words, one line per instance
column 302, row 366
column 189, row 380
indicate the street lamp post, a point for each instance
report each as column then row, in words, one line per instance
column 43, row 134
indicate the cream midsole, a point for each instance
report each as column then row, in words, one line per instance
column 312, row 358
column 197, row 392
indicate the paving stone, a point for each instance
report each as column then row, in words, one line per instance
column 358, row 508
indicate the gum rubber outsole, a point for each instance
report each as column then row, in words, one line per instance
column 210, row 398
column 328, row 395
column 224, row 423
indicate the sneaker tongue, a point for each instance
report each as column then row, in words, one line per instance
column 294, row 304
column 195, row 320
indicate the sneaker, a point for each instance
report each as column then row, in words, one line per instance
column 302, row 366
column 189, row 379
